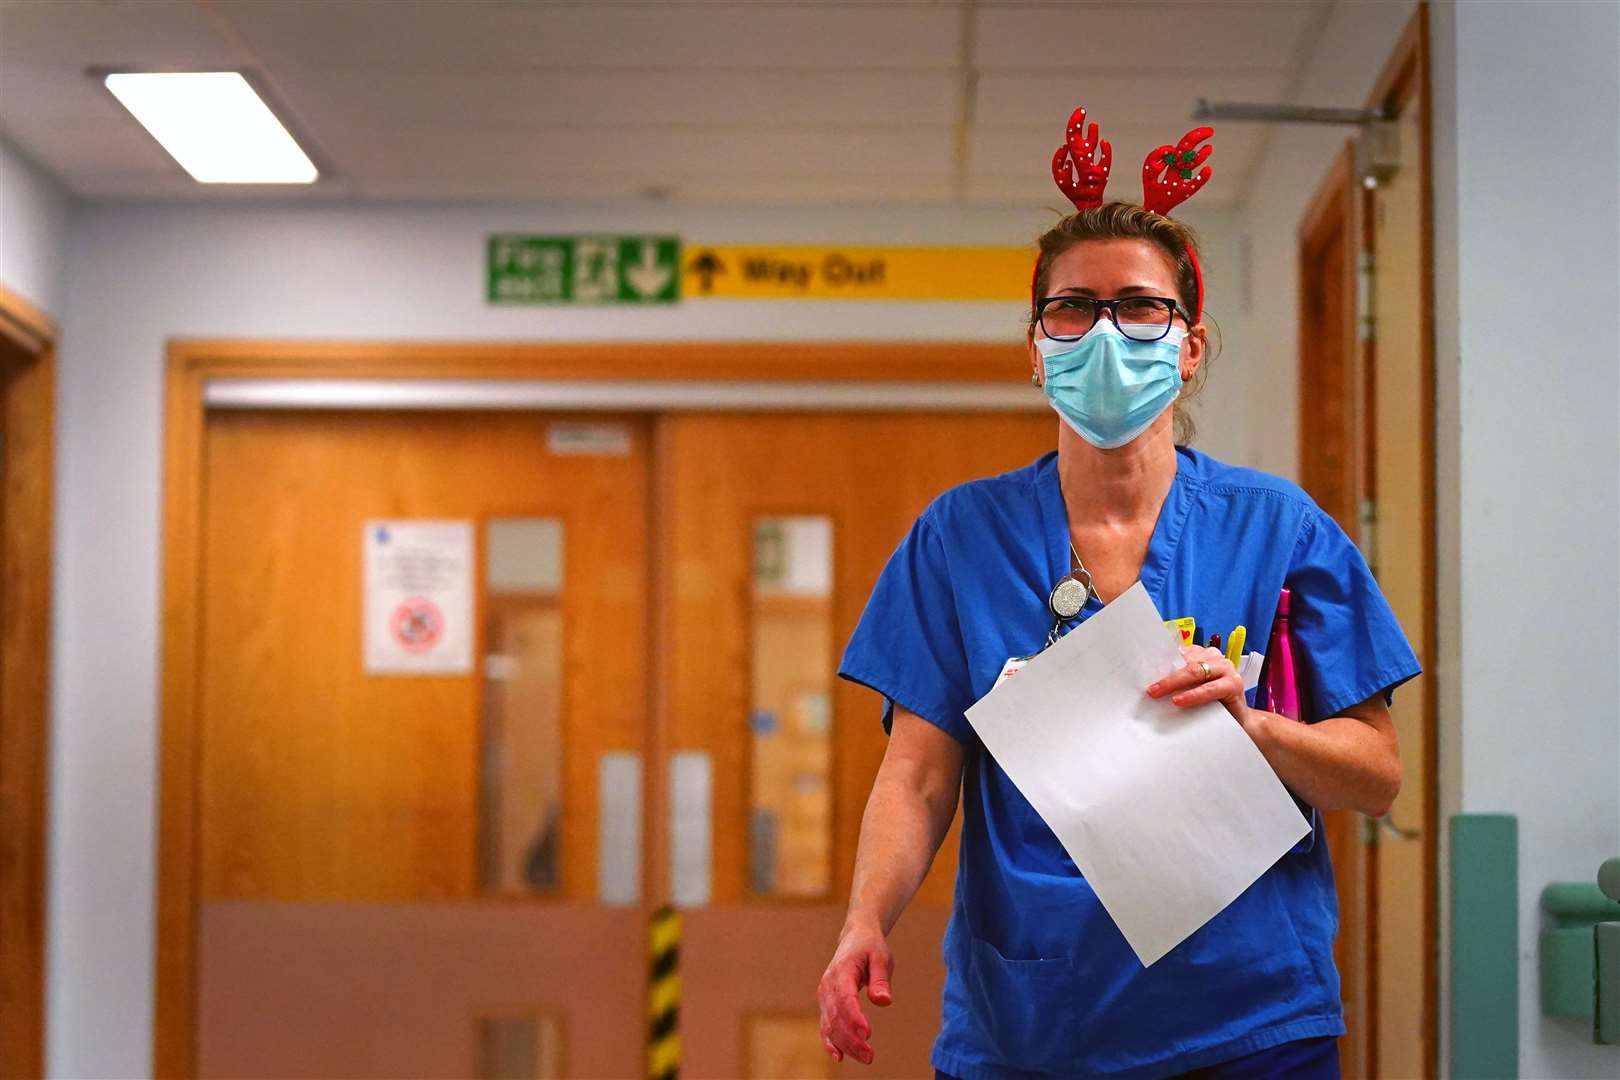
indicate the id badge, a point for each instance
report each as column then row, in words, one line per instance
column 1013, row 666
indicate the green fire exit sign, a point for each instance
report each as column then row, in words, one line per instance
column 584, row 269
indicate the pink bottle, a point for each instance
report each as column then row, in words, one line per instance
column 1279, row 681
column 1279, row 692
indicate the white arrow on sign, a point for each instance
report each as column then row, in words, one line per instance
column 647, row 277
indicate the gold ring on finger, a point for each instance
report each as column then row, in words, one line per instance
column 1207, row 673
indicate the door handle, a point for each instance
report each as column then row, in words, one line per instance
column 1387, row 824
column 1372, row 827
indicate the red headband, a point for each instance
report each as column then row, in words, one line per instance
column 1170, row 176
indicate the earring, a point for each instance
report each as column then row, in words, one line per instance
column 1034, row 379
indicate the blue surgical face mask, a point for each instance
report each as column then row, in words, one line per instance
column 1109, row 388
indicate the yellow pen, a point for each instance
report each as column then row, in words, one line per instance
column 1234, row 645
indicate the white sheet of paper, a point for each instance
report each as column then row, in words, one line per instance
column 1169, row 812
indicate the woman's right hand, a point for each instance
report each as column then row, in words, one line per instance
column 862, row 959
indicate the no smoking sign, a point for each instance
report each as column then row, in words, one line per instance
column 418, row 624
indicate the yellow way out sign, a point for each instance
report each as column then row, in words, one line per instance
column 855, row 273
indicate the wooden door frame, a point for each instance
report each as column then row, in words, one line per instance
column 1403, row 83
column 192, row 363
column 1335, row 201
column 27, row 396
column 1336, row 399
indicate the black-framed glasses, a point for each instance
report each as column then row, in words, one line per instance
column 1140, row 318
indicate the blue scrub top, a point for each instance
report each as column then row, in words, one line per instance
column 1039, row 980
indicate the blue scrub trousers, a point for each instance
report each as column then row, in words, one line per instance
column 1304, row 1059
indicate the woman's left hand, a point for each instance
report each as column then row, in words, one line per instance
column 1206, row 676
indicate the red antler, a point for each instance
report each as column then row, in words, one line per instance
column 1079, row 176
column 1168, row 178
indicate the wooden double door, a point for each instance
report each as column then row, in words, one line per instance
column 431, row 835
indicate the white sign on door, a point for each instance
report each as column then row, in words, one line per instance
column 418, row 608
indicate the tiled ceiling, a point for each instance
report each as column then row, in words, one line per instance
column 763, row 102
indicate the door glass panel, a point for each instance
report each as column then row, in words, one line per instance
column 691, row 813
column 618, row 818
column 790, row 766
column 521, row 804
column 785, row 1045
column 519, row 1047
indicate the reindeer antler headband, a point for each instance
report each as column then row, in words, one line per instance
column 1170, row 176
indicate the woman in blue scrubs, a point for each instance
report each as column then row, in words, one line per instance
column 1039, row 980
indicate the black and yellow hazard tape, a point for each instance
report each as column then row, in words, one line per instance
column 664, row 996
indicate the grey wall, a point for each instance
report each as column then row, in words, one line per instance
column 142, row 274
column 1527, row 111
column 33, row 230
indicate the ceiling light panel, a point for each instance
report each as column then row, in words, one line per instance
column 214, row 125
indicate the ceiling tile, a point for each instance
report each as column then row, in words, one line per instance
column 55, row 93
column 425, row 35
column 530, row 100
column 80, row 33
column 1175, row 37
column 88, row 147
column 647, row 156
column 703, row 189
column 168, row 187
column 1114, row 98
column 819, row 189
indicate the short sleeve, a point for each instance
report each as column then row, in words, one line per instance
column 1351, row 644
column 908, row 644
